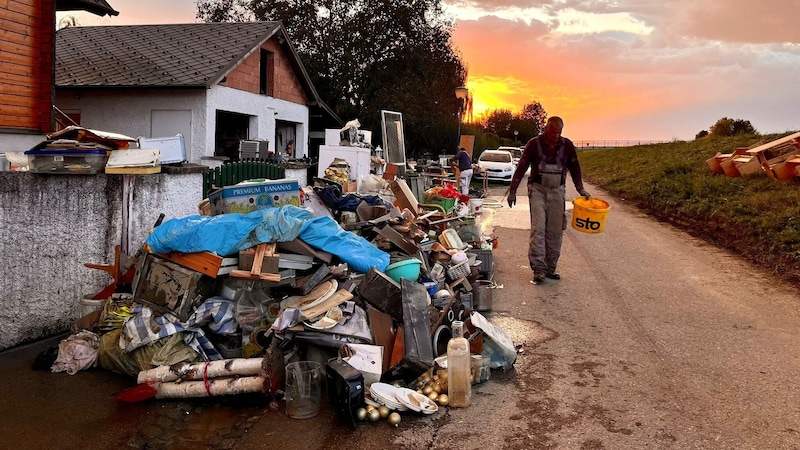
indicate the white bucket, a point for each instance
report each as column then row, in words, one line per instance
column 476, row 206
column 89, row 305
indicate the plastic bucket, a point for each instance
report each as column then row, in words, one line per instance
column 89, row 305
column 589, row 215
column 476, row 206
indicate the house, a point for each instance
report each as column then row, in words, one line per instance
column 214, row 83
column 26, row 67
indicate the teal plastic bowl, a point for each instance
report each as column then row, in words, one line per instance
column 408, row 269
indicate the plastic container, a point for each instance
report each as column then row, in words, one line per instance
column 476, row 206
column 589, row 214
column 303, row 389
column 408, row 269
column 459, row 365
column 72, row 162
column 89, row 305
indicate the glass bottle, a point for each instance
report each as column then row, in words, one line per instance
column 459, row 362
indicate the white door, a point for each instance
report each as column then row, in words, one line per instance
column 168, row 123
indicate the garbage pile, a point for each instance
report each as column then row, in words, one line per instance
column 380, row 301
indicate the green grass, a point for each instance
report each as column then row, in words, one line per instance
column 754, row 216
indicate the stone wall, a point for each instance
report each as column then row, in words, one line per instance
column 53, row 224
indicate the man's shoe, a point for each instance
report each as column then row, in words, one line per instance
column 554, row 276
column 538, row 279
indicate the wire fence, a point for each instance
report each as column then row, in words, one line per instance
column 614, row 143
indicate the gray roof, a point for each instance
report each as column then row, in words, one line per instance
column 174, row 55
column 99, row 7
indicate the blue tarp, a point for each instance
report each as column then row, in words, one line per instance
column 227, row 234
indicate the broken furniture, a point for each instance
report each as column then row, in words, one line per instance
column 773, row 157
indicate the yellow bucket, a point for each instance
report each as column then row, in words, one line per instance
column 589, row 215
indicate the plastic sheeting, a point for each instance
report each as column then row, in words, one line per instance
column 227, row 234
column 360, row 255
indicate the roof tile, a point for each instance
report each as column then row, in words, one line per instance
column 173, row 55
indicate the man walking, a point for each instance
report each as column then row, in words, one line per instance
column 464, row 164
column 549, row 156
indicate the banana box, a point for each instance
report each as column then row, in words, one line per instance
column 251, row 195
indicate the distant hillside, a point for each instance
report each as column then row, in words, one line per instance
column 754, row 216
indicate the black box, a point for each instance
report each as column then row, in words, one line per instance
column 345, row 385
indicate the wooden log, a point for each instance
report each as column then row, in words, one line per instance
column 210, row 388
column 198, row 371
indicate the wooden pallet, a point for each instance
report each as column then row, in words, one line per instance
column 262, row 250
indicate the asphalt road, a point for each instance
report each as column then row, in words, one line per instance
column 652, row 339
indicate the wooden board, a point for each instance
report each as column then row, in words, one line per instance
column 133, row 170
column 204, row 262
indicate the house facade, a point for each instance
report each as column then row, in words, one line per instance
column 214, row 83
column 26, row 67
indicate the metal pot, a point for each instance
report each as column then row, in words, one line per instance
column 482, row 295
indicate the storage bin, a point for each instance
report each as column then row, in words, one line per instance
column 67, row 161
column 485, row 257
column 461, row 270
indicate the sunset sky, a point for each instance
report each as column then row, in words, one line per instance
column 614, row 70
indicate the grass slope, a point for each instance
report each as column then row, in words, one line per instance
column 753, row 216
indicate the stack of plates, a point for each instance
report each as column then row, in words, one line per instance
column 415, row 401
column 385, row 395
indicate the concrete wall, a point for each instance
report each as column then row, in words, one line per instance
column 53, row 224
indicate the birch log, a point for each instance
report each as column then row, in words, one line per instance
column 194, row 371
column 219, row 386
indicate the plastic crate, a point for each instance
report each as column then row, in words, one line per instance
column 486, row 259
column 461, row 270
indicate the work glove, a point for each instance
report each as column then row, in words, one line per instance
column 512, row 200
column 584, row 194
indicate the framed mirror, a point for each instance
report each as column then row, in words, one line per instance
column 393, row 143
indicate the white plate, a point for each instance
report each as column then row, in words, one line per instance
column 329, row 320
column 415, row 401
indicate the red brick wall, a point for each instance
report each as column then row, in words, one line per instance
column 282, row 83
column 26, row 64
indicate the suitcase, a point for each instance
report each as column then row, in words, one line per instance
column 345, row 385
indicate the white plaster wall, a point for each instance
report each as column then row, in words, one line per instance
column 53, row 224
column 267, row 110
column 128, row 112
column 19, row 142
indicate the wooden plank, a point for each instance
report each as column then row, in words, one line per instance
column 204, row 262
column 775, row 143
column 133, row 170
column 17, row 121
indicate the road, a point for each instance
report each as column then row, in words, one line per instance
column 651, row 339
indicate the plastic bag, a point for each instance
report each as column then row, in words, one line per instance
column 77, row 352
column 110, row 357
column 497, row 344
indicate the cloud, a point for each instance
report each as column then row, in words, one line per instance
column 681, row 64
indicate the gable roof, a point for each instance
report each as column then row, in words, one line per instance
column 167, row 56
column 99, row 7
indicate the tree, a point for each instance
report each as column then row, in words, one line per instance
column 364, row 56
column 528, row 123
column 730, row 127
column 701, row 134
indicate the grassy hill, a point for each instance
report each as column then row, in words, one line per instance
column 754, row 216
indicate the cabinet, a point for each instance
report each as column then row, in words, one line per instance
column 357, row 157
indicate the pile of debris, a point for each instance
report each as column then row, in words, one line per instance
column 779, row 159
column 361, row 291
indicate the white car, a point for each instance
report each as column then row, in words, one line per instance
column 498, row 165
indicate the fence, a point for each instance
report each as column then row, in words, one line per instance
column 246, row 169
column 610, row 143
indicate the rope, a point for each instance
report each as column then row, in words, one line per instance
column 205, row 379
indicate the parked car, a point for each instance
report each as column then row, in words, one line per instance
column 497, row 164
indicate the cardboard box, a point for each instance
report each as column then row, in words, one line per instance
column 251, row 195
